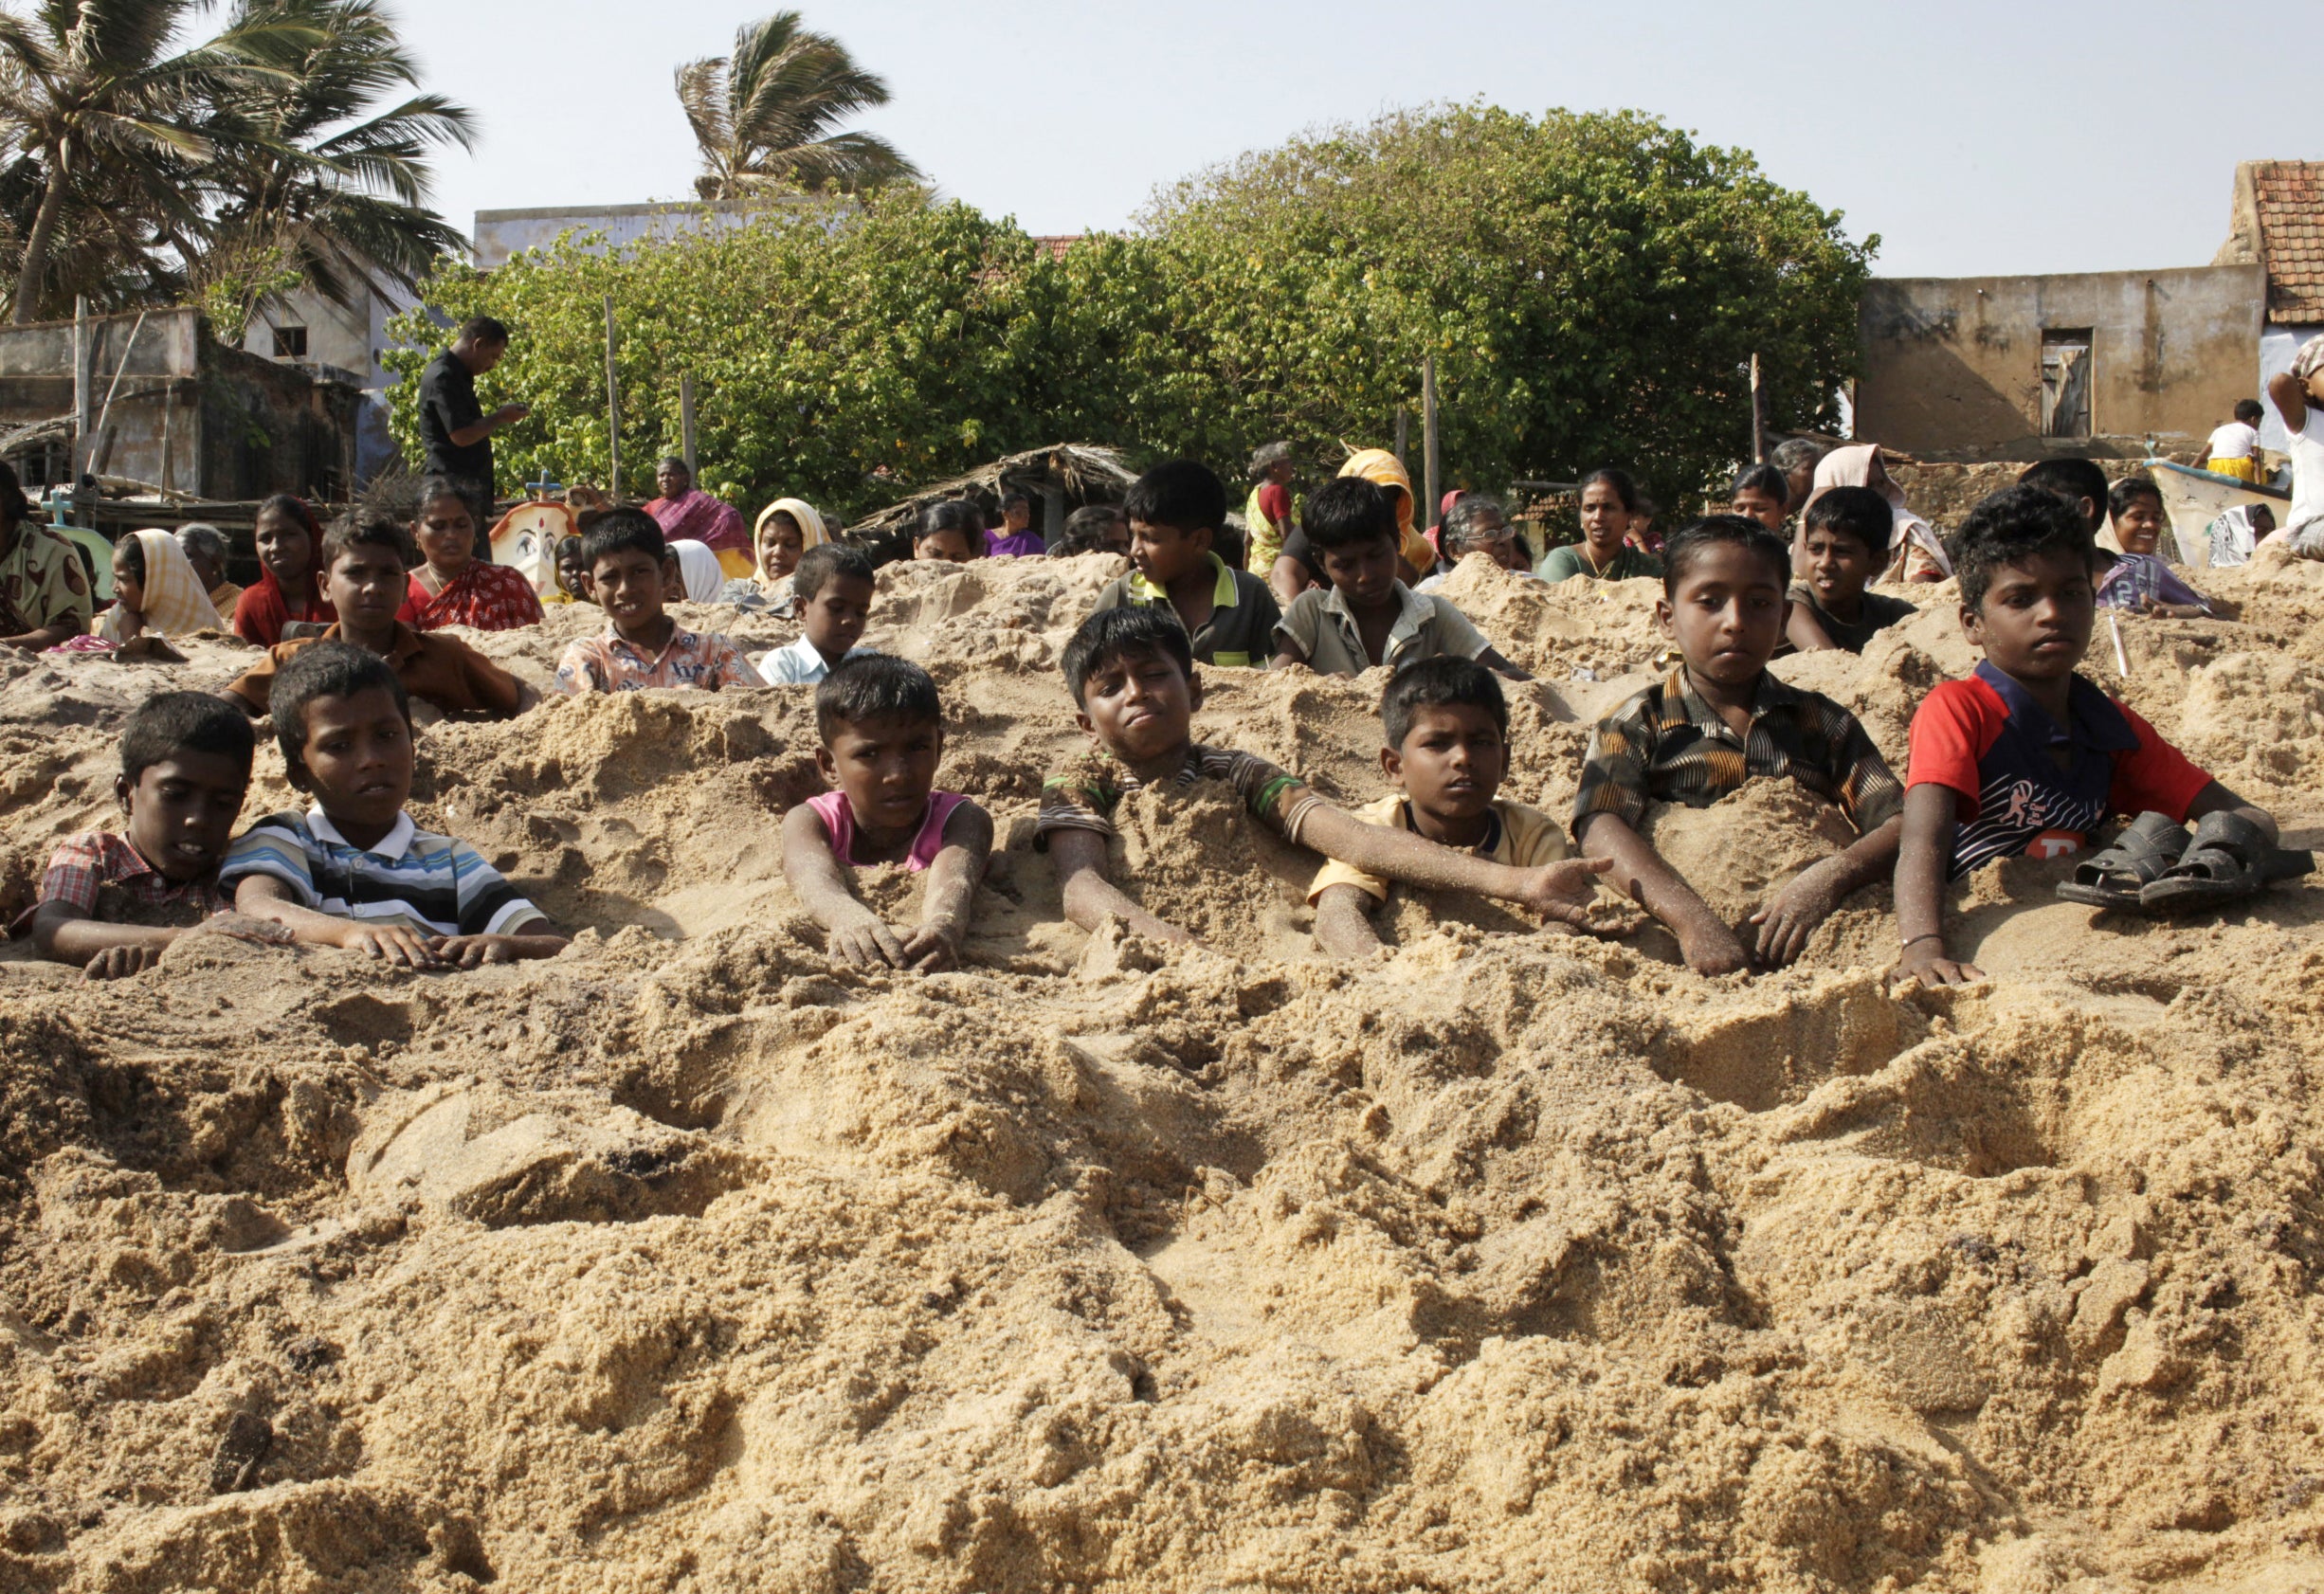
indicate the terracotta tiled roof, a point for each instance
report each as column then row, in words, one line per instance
column 1057, row 242
column 2289, row 196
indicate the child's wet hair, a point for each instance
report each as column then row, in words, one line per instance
column 2010, row 527
column 952, row 514
column 1859, row 512
column 364, row 528
column 1348, row 510
column 2129, row 491
column 171, row 722
column 622, row 531
column 2071, row 479
column 1763, row 479
column 825, row 562
column 1184, row 495
column 325, row 669
column 876, row 686
column 1135, row 630
column 1691, row 543
column 1444, row 682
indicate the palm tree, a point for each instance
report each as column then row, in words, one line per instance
column 97, row 96
column 763, row 115
column 316, row 179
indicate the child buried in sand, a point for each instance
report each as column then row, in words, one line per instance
column 632, row 575
column 112, row 903
column 1446, row 726
column 1846, row 539
column 1719, row 721
column 831, row 591
column 1366, row 615
column 1131, row 675
column 2025, row 756
column 883, row 730
column 354, row 871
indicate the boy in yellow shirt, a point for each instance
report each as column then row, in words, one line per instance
column 1446, row 728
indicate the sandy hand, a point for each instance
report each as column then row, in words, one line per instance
column 1926, row 961
column 115, row 963
column 932, row 949
column 1564, row 891
column 473, row 952
column 867, row 942
column 1710, row 947
column 245, row 927
column 1792, row 916
column 394, row 943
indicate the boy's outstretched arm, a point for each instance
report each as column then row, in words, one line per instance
column 1792, row 914
column 1343, row 922
column 62, row 934
column 2215, row 798
column 857, row 936
column 1638, row 873
column 1080, row 857
column 1922, row 854
column 1559, row 891
column 952, row 880
column 263, row 897
column 517, row 946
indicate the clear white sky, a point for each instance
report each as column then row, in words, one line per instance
column 1974, row 136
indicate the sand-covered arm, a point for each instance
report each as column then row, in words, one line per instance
column 1808, row 899
column 1089, row 896
column 1640, row 874
column 1923, row 853
column 952, row 880
column 1343, row 922
column 857, row 936
column 63, row 933
column 266, row 897
column 1560, row 891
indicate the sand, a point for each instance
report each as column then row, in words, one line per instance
column 1508, row 1260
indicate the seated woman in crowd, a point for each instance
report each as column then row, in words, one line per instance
column 155, row 592
column 1609, row 502
column 1916, row 552
column 453, row 587
column 1477, row 524
column 686, row 513
column 787, row 529
column 289, row 591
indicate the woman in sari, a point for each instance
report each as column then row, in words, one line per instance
column 787, row 529
column 454, row 587
column 686, row 513
column 1916, row 552
column 289, row 541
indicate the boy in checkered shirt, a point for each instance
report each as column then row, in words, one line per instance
column 111, row 902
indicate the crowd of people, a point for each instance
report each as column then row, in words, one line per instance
column 2024, row 755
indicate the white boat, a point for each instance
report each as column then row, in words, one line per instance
column 2193, row 499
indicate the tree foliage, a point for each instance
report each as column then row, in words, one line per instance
column 766, row 116
column 1591, row 288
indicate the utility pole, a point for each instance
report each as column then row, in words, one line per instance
column 613, row 412
column 686, row 421
column 1428, row 436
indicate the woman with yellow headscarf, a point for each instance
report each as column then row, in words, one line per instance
column 1383, row 469
column 787, row 529
column 155, row 591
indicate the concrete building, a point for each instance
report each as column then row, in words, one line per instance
column 501, row 235
column 2277, row 223
column 339, row 343
column 2020, row 367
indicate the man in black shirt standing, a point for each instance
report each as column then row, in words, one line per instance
column 455, row 430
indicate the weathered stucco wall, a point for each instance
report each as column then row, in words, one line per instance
column 1952, row 366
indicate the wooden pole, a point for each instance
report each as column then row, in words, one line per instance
column 613, row 412
column 1759, row 417
column 1427, row 437
column 83, row 442
column 685, row 420
column 1400, row 438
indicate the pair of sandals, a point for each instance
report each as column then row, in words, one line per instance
column 2156, row 866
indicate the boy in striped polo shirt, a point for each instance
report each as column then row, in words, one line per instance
column 354, row 871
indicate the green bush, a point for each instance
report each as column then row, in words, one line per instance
column 1591, row 288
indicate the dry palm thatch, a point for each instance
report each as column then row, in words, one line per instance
column 763, row 116
column 1086, row 471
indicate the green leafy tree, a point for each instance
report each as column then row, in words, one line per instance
column 99, row 98
column 764, row 117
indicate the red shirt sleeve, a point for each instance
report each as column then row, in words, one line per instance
column 1953, row 729
column 2154, row 775
column 1275, row 503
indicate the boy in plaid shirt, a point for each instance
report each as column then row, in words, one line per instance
column 1719, row 721
column 113, row 902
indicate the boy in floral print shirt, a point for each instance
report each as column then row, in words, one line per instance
column 632, row 571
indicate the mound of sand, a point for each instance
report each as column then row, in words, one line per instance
column 1508, row 1260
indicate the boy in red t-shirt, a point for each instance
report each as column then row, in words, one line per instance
column 2024, row 755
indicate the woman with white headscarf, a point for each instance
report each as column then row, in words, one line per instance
column 2297, row 395
column 787, row 529
column 155, row 591
column 698, row 570
column 1916, row 552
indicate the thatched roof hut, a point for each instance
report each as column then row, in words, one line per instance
column 1061, row 479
